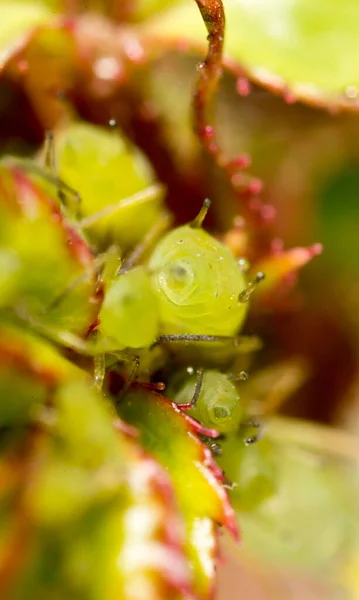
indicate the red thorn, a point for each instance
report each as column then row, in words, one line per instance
column 255, row 186
column 268, row 212
column 243, row 161
column 243, row 86
column 208, row 132
column 289, row 97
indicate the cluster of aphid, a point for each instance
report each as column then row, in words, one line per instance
column 146, row 306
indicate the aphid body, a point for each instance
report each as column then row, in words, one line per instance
column 197, row 283
column 129, row 313
column 218, row 404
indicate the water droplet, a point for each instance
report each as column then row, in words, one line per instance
column 201, row 66
column 250, row 440
column 160, row 386
column 244, row 264
column 208, row 132
column 190, row 370
column 215, row 448
column 107, row 68
column 112, row 122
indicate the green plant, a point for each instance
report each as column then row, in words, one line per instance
column 127, row 418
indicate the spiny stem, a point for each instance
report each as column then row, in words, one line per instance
column 244, row 188
column 212, row 12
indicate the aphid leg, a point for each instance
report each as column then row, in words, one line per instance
column 130, row 379
column 252, row 423
column 90, row 347
column 152, row 192
column 191, row 338
column 49, row 152
column 198, row 221
column 63, row 295
column 249, row 289
column 241, row 376
column 197, row 391
column 242, row 343
column 148, row 241
column 72, row 200
column 99, row 371
column 106, row 266
column 67, row 195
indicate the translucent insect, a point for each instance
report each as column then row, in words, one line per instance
column 213, row 398
column 170, row 300
column 129, row 313
column 199, row 286
column 191, row 290
column 119, row 200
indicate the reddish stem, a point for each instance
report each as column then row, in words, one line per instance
column 212, row 12
column 245, row 188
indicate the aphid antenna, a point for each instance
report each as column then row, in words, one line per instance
column 63, row 295
column 111, row 209
column 62, row 187
column 190, row 338
column 249, row 289
column 198, row 220
column 151, row 236
column 197, row 391
column 49, row 152
column 50, row 163
column 241, row 376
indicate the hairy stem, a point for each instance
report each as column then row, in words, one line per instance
column 212, row 12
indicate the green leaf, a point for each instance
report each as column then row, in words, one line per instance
column 54, row 279
column 17, row 19
column 95, row 517
column 307, row 47
column 164, row 432
column 296, row 496
column 29, row 370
